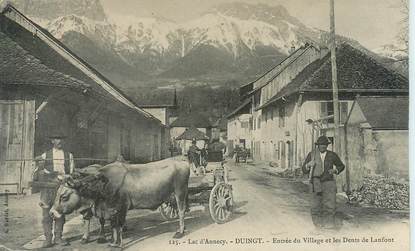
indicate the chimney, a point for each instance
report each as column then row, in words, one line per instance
column 292, row 48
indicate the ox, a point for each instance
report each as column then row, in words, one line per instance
column 118, row 187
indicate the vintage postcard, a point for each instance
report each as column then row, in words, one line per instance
column 204, row 125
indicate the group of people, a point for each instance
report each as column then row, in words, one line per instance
column 321, row 166
column 198, row 157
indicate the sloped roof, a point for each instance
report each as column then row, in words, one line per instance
column 356, row 71
column 192, row 133
column 239, row 108
column 276, row 69
column 265, row 79
column 17, row 66
column 35, row 41
column 221, row 124
column 197, row 120
column 385, row 113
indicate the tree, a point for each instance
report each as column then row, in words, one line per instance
column 403, row 35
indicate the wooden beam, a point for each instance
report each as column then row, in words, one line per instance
column 334, row 78
column 40, row 108
column 48, row 99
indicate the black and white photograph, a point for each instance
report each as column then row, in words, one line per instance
column 179, row 125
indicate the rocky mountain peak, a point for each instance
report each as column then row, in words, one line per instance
column 52, row 9
column 261, row 12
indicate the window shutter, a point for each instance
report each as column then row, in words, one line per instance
column 323, row 109
column 343, row 112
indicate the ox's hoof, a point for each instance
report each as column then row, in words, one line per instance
column 178, row 235
column 84, row 240
column 114, row 245
column 102, row 240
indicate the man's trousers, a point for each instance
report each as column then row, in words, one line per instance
column 323, row 205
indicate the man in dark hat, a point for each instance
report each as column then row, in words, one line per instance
column 56, row 161
column 193, row 154
column 322, row 165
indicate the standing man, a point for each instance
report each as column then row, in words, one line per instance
column 322, row 165
column 193, row 154
column 56, row 161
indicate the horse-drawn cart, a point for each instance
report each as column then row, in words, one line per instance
column 211, row 189
column 242, row 154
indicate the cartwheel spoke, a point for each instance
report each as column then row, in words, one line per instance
column 225, row 191
column 222, row 191
column 216, row 205
column 222, row 214
column 217, row 210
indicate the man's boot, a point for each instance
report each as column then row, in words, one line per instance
column 58, row 232
column 48, row 242
column 60, row 241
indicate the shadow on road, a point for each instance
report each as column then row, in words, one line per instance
column 140, row 228
column 152, row 225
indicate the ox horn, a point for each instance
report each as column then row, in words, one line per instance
column 69, row 180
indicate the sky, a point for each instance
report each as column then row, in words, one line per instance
column 372, row 22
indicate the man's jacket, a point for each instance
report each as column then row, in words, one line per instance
column 332, row 159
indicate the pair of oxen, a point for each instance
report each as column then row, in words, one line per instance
column 108, row 192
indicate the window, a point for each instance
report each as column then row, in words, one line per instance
column 281, row 113
column 257, row 99
column 244, row 124
column 259, row 123
column 327, row 109
column 250, row 123
column 272, row 113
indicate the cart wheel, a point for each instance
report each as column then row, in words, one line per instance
column 169, row 211
column 221, row 203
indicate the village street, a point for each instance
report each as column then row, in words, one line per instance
column 268, row 210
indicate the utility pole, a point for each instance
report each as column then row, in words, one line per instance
column 334, row 78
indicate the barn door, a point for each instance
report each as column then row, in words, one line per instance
column 290, row 154
column 126, row 141
column 16, row 144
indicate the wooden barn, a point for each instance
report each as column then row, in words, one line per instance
column 44, row 87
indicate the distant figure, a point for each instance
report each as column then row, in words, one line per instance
column 217, row 146
column 193, row 155
column 216, row 150
column 322, row 165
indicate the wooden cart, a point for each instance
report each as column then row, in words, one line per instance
column 212, row 190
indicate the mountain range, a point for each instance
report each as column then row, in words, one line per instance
column 231, row 41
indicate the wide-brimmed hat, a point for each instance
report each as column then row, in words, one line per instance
column 57, row 135
column 323, row 140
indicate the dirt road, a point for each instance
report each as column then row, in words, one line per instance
column 271, row 213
